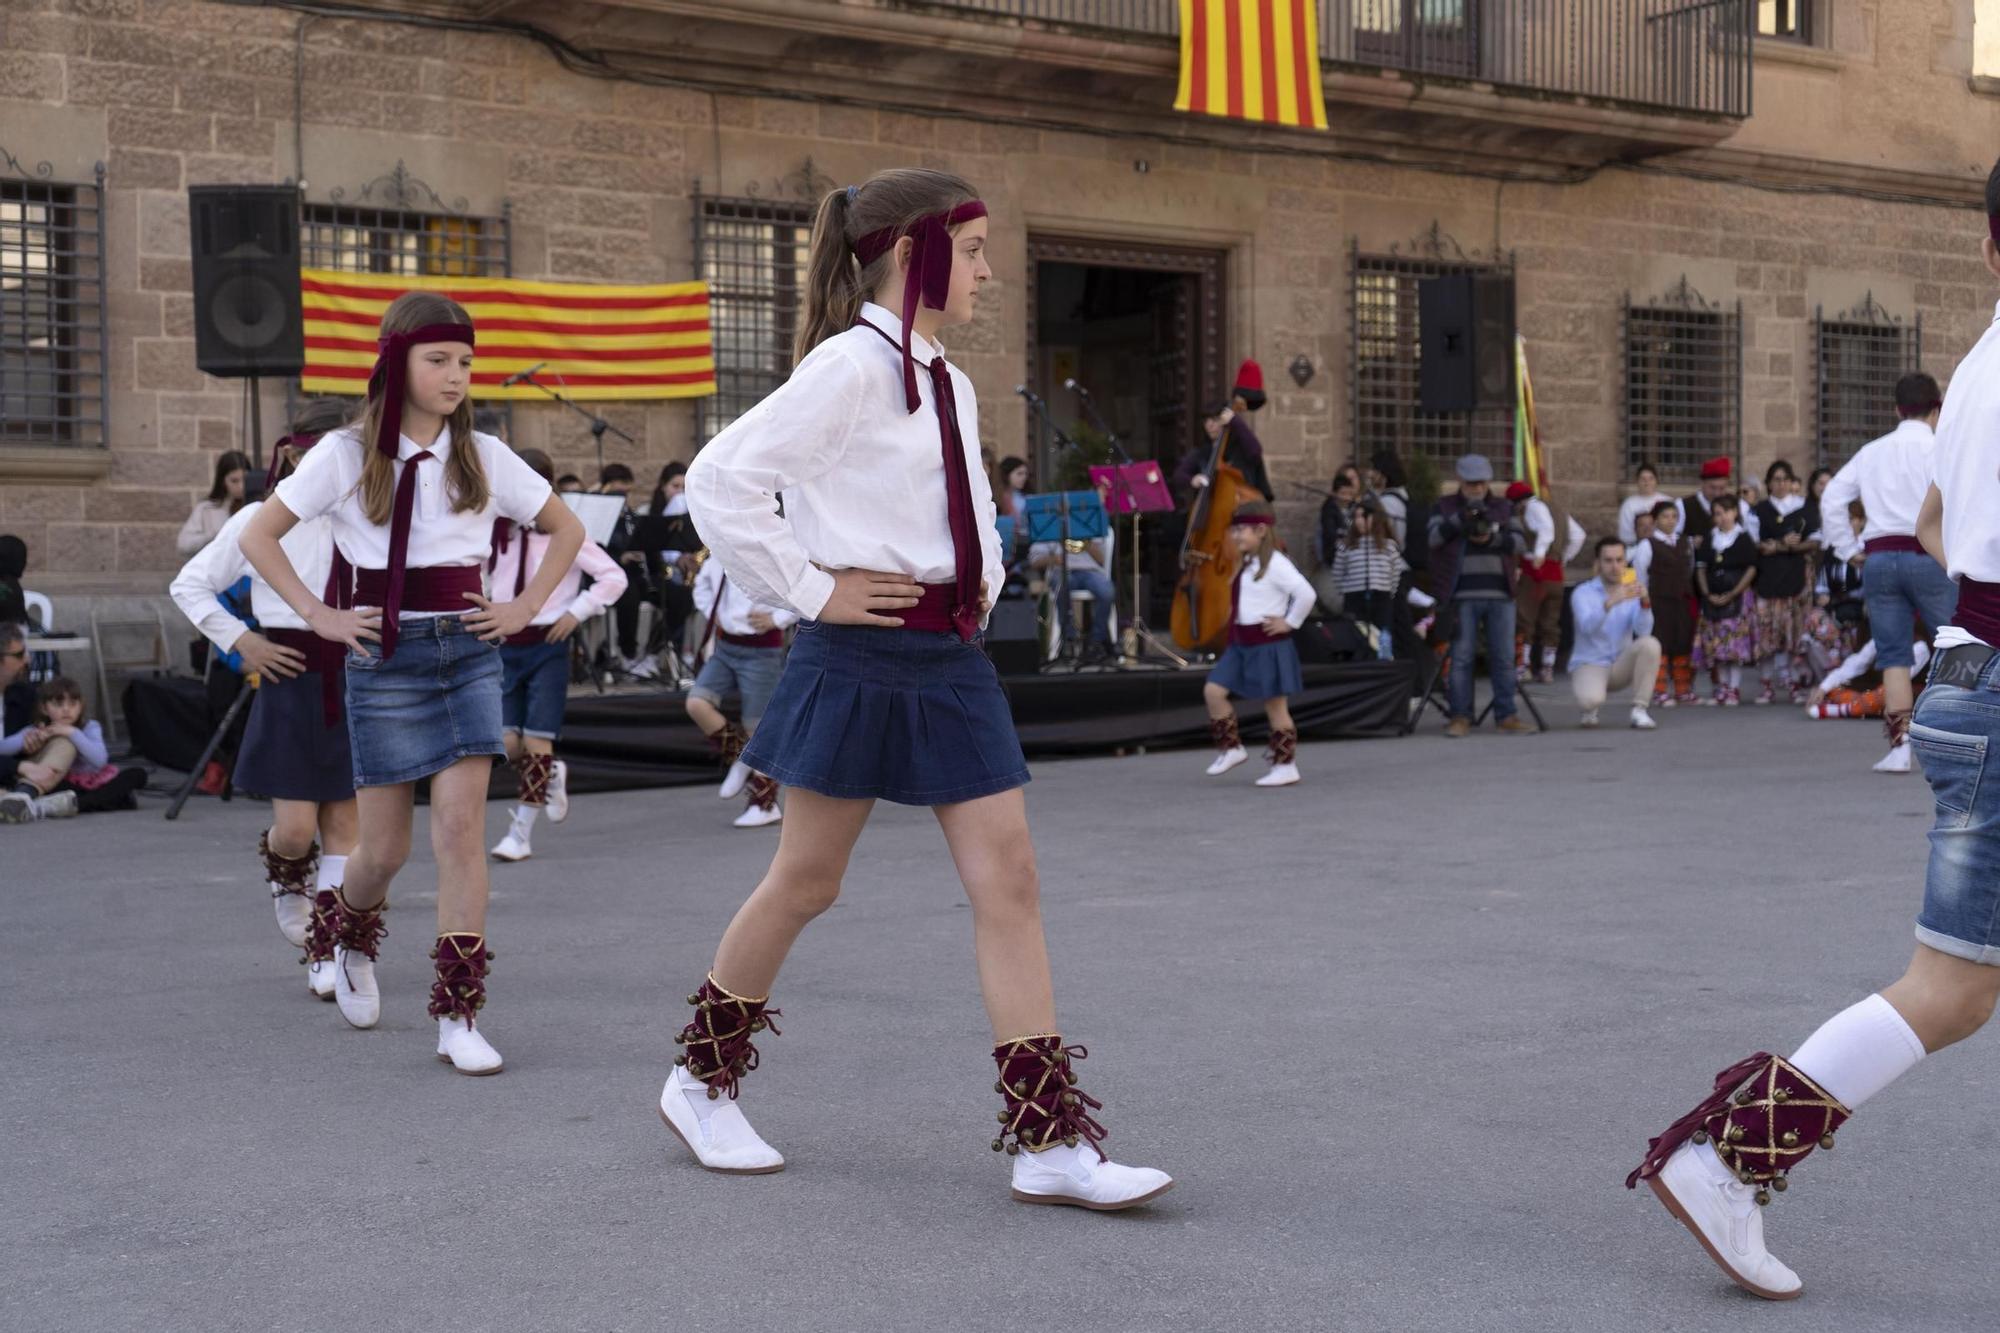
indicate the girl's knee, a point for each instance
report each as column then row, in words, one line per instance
column 805, row 892
column 1013, row 889
column 1215, row 694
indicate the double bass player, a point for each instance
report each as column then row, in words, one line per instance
column 1216, row 480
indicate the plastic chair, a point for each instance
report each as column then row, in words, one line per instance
column 39, row 602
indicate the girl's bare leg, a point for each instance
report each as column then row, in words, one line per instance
column 458, row 830
column 814, row 844
column 995, row 856
column 385, row 815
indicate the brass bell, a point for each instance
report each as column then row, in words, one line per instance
column 680, row 1060
column 999, row 1087
column 1781, row 1095
column 1781, row 1184
column 757, row 1025
column 680, row 1038
column 1069, row 1140
column 1745, row 1174
column 1700, row 1136
column 997, row 1145
column 1013, row 1149
column 1763, row 1198
column 1789, row 1139
column 695, row 998
column 1021, row 1088
column 1737, row 1133
column 1745, row 1097
column 714, row 1093
column 1002, row 1117
column 1069, row 1099
column 1826, row 1140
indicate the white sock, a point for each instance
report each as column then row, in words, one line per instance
column 1859, row 1051
column 1732, row 675
column 524, row 819
column 1781, row 670
column 332, row 871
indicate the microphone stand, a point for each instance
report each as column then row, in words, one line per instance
column 1045, row 427
column 1137, row 633
column 598, row 425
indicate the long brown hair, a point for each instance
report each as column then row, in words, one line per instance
column 233, row 461
column 836, row 283
column 60, row 689
column 1257, row 509
column 464, row 478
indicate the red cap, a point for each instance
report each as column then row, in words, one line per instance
column 1520, row 490
column 1713, row 468
column 1250, row 375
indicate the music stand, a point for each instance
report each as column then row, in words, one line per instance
column 1064, row 517
column 1137, row 488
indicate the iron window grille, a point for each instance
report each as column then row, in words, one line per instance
column 52, row 320
column 752, row 253
column 1683, row 399
column 1859, row 355
column 1384, row 359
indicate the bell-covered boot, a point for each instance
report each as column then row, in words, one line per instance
column 457, row 996
column 717, row 1052
column 1050, row 1132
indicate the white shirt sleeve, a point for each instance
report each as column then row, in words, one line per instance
column 707, row 581
column 607, row 582
column 797, row 433
column 1574, row 546
column 197, row 590
column 518, row 491
column 315, row 486
column 992, row 568
column 1542, row 523
column 1842, row 491
column 1298, row 590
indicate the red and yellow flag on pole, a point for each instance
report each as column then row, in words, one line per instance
column 1252, row 60
column 600, row 342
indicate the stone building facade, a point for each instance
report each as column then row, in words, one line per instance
column 1769, row 259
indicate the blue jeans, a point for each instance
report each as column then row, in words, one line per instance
column 435, row 702
column 1497, row 615
column 1956, row 734
column 1098, row 584
column 749, row 673
column 534, row 688
column 1898, row 587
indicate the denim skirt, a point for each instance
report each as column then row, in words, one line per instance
column 911, row 716
column 435, row 702
column 289, row 753
column 1259, row 670
column 1956, row 734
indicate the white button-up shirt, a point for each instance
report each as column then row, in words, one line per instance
column 1967, row 462
column 197, row 590
column 607, row 580
column 862, row 476
column 1282, row 592
column 1890, row 477
column 731, row 615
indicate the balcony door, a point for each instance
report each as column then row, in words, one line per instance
column 1423, row 36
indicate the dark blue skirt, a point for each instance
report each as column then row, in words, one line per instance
column 1259, row 670
column 904, row 715
column 288, row 752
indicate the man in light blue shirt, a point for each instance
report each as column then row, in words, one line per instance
column 1614, row 646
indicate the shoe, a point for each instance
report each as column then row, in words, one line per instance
column 1227, row 760
column 61, row 805
column 294, row 915
column 462, row 1046
column 1641, row 719
column 1074, row 1176
column 18, row 807
column 1546, row 676
column 513, row 847
column 1512, row 726
column 642, row 668
column 1765, row 696
column 1281, row 775
column 1588, row 719
column 354, row 988
column 733, row 781
column 213, row 779
column 558, row 792
column 721, row 1140
column 1722, row 1213
column 319, row 978
column 1458, row 728
column 1732, row 697
column 758, row 816
column 1666, row 701
column 1687, row 697
column 1896, row 761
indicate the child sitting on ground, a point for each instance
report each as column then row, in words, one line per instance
column 66, row 758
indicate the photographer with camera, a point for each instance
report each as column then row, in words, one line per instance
column 1615, row 648
column 1476, row 544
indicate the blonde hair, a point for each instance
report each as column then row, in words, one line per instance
column 465, row 479
column 836, row 282
column 1250, row 509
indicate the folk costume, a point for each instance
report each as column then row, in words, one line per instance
column 740, row 659
column 1670, row 588
column 1257, row 664
column 1726, row 637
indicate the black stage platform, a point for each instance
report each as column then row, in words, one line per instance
column 629, row 739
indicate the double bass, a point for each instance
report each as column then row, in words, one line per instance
column 1208, row 563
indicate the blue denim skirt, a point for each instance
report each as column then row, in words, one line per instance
column 435, row 702
column 1259, row 670
column 289, row 753
column 1956, row 734
column 904, row 715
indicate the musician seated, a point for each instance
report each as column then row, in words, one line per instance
column 1086, row 567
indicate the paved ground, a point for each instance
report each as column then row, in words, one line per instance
column 1400, row 1032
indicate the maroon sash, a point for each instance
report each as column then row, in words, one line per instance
column 1876, row 545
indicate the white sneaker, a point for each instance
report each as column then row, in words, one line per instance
column 1587, row 719
column 1722, row 1213
column 462, row 1046
column 714, row 1131
column 558, row 796
column 295, row 912
column 1227, row 760
column 642, row 668
column 735, row 780
column 1641, row 719
column 513, row 847
column 1074, row 1176
column 18, row 808
column 1896, row 761
column 758, row 816
column 60, row 805
column 354, row 988
column 1281, row 775
column 319, row 978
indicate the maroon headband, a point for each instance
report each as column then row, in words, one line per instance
column 391, row 374
column 1993, row 227
column 1251, row 520
column 930, row 271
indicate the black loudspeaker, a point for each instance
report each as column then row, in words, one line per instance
column 244, row 241
column 1013, row 639
column 1465, row 340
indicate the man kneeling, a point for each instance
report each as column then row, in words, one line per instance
column 1615, row 648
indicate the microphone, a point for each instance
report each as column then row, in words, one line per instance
column 520, row 375
column 1076, row 388
column 1029, row 394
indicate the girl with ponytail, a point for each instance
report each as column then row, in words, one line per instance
column 413, row 492
column 887, row 549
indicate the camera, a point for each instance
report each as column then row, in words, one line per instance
column 1477, row 524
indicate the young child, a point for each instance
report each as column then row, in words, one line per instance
column 1784, row 580
column 1670, row 585
column 1854, row 688
column 534, row 664
column 413, row 492
column 1271, row 599
column 294, row 748
column 887, row 548
column 66, row 755
column 745, row 639
column 1725, row 567
column 1645, row 498
column 1367, row 568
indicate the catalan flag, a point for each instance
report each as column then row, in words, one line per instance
column 1252, row 60
column 1530, row 462
column 600, row 342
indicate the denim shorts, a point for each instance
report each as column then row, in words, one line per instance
column 749, row 673
column 435, row 702
column 534, row 687
column 1956, row 734
column 1898, row 588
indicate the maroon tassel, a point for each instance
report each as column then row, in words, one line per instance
column 1044, row 1105
column 729, row 743
column 321, row 931
column 288, row 874
column 763, row 791
column 460, row 988
column 717, row 1042
column 357, row 930
column 1897, row 726
column 1222, row 730
column 1764, row 1118
column 535, row 771
column 1284, row 747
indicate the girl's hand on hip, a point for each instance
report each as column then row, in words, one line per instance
column 494, row 621
column 1277, row 625
column 355, row 628
column 560, row 631
column 869, row 597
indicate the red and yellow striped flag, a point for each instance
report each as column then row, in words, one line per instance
column 1253, row 60
column 600, row 342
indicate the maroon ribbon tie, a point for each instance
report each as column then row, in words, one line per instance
column 929, row 276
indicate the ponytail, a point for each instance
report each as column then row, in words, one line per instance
column 833, row 278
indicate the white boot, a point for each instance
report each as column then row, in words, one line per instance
column 1641, row 719
column 714, row 1131
column 558, row 795
column 354, row 988
column 758, row 816
column 1896, row 761
column 1281, row 775
column 294, row 915
column 1227, row 760
column 1075, row 1177
column 465, row 1048
column 514, row 846
column 1587, row 719
column 734, row 780
column 319, row 978
column 1722, row 1213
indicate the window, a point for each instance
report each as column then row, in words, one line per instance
column 1384, row 361
column 381, row 240
column 1859, row 356
column 52, row 329
column 752, row 253
column 1683, row 382
column 1787, row 19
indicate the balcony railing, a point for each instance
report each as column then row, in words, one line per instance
column 1676, row 55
